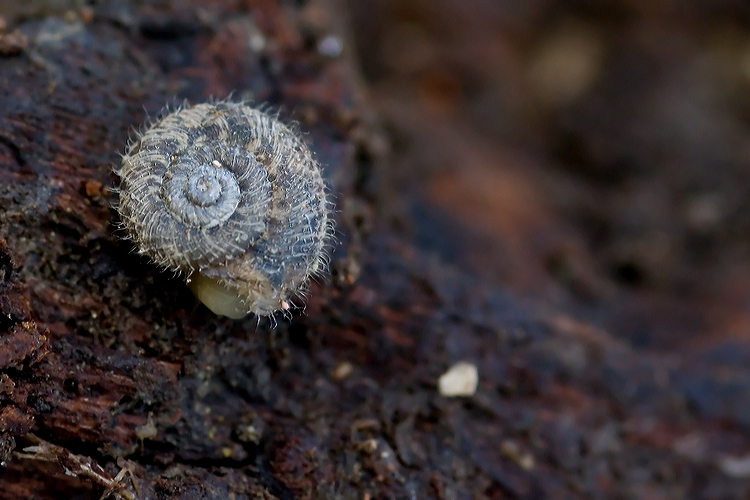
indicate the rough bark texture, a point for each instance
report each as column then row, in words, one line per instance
column 115, row 383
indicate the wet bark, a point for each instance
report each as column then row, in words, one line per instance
column 114, row 382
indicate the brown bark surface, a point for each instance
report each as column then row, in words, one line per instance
column 452, row 246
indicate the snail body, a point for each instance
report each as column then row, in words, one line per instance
column 232, row 198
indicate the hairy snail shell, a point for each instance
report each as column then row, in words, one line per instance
column 231, row 197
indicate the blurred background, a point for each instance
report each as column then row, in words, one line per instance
column 592, row 156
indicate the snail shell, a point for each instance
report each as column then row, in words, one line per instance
column 232, row 198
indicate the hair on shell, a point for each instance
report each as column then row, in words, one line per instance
column 178, row 203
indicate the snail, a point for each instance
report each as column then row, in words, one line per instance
column 231, row 198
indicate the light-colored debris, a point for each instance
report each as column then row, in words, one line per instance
column 459, row 381
column 342, row 371
column 81, row 466
column 511, row 450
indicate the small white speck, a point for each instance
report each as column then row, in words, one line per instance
column 330, row 46
column 216, row 163
column 460, row 380
column 342, row 371
column 257, row 42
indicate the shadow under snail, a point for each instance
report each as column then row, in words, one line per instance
column 233, row 199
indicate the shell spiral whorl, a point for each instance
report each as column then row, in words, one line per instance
column 231, row 197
